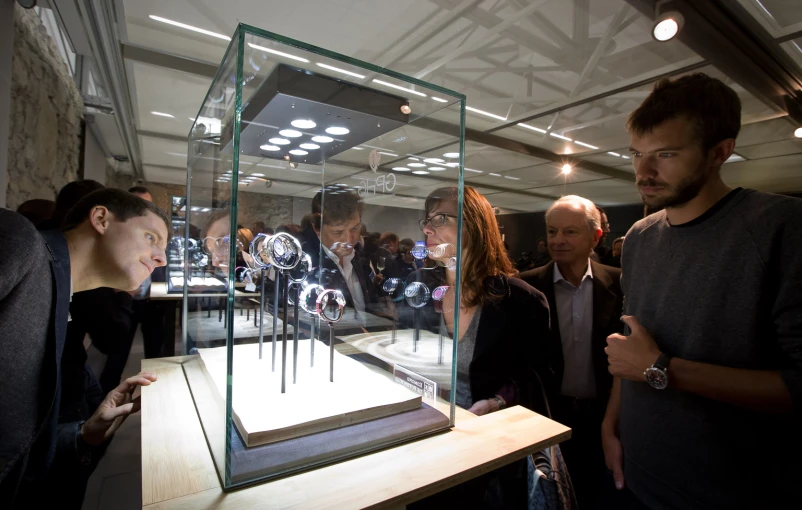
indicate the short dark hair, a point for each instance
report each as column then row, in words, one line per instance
column 37, row 210
column 712, row 106
column 71, row 194
column 123, row 206
column 139, row 189
column 338, row 207
column 388, row 237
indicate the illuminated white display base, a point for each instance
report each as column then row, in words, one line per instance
column 264, row 415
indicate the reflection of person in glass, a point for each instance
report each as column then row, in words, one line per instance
column 503, row 322
column 215, row 237
column 339, row 233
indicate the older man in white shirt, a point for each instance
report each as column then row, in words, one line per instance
column 585, row 300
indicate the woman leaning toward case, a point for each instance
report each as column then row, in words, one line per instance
column 503, row 322
column 503, row 329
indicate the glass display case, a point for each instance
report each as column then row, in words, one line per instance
column 330, row 332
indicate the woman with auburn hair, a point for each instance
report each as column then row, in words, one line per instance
column 503, row 322
column 501, row 337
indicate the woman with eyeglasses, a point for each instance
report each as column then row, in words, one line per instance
column 503, row 322
column 501, row 335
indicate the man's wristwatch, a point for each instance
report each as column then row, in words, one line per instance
column 657, row 374
column 500, row 402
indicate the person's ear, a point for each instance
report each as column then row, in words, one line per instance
column 597, row 235
column 721, row 152
column 100, row 218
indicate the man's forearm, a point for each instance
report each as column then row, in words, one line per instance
column 758, row 390
column 613, row 407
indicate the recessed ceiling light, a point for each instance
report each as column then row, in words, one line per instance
column 452, row 165
column 160, row 114
column 303, row 123
column 258, row 175
column 614, row 154
column 298, row 152
column 401, row 169
column 583, row 144
column 512, row 178
column 336, row 130
column 322, row 139
column 495, row 175
column 486, row 114
column 270, row 147
column 290, row 133
column 276, row 52
column 433, row 161
column 733, row 158
column 189, row 27
column 388, row 154
column 414, row 158
column 391, row 85
column 451, row 155
column 439, row 100
column 279, row 141
column 436, row 168
column 338, row 70
column 625, row 157
column 416, row 165
column 354, row 148
column 474, row 171
column 310, row 146
column 420, row 172
column 566, row 169
column 561, row 137
column 798, row 132
column 533, row 128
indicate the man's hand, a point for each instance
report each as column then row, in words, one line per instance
column 613, row 454
column 629, row 356
column 117, row 405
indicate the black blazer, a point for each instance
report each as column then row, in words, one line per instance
column 607, row 308
column 511, row 342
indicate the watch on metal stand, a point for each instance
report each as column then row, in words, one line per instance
column 417, row 295
column 391, row 286
column 438, row 294
column 330, row 307
column 308, row 299
column 657, row 374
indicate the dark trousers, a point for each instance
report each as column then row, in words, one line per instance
column 583, row 453
column 151, row 315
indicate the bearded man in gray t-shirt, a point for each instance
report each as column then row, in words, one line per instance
column 706, row 405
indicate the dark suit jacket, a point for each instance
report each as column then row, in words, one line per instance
column 34, row 306
column 607, row 307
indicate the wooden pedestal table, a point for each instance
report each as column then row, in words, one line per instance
column 178, row 472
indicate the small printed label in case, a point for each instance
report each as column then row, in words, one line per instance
column 250, row 287
column 416, row 382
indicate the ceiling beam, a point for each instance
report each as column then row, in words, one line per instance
column 168, row 60
column 684, row 66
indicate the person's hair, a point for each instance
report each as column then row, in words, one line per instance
column 71, row 194
column 141, row 190
column 712, row 106
column 591, row 211
column 311, row 220
column 406, row 244
column 289, row 228
column 387, row 238
column 601, row 210
column 215, row 216
column 245, row 236
column 37, row 210
column 121, row 204
column 484, row 255
column 338, row 207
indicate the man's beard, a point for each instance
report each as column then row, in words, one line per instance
column 679, row 194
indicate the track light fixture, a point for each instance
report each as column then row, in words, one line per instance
column 667, row 23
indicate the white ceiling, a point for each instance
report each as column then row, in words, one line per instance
column 511, row 58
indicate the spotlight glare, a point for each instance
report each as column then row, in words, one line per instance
column 566, row 169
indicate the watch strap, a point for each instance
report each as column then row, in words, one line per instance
column 662, row 362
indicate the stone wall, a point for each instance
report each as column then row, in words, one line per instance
column 46, row 115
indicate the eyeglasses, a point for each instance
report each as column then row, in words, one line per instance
column 437, row 221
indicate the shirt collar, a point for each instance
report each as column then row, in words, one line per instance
column 334, row 258
column 559, row 276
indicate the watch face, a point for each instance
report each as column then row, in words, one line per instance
column 656, row 378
